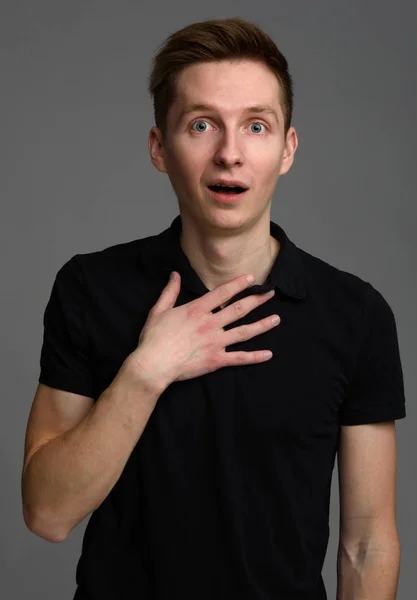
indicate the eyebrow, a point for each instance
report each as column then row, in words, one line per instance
column 257, row 108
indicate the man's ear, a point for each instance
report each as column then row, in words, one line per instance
column 291, row 145
column 156, row 149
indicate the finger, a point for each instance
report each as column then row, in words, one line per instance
column 246, row 358
column 169, row 293
column 247, row 332
column 241, row 308
column 224, row 292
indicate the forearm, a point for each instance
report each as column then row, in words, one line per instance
column 371, row 573
column 70, row 476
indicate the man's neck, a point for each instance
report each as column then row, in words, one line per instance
column 218, row 260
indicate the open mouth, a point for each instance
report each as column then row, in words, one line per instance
column 227, row 189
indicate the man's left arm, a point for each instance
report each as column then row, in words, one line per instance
column 368, row 560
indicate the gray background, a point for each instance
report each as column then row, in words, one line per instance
column 76, row 177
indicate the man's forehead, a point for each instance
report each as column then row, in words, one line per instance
column 184, row 106
column 188, row 98
column 205, row 82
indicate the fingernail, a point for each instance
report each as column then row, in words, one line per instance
column 250, row 278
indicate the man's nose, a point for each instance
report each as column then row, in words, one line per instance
column 229, row 151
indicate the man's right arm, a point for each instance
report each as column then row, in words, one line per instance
column 68, row 476
column 75, row 451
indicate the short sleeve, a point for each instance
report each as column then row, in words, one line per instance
column 376, row 392
column 64, row 362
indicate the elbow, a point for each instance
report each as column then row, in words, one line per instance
column 43, row 527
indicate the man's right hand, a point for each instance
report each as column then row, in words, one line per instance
column 189, row 340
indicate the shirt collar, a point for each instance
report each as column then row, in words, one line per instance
column 162, row 253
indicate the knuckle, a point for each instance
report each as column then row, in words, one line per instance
column 240, row 357
column 205, row 328
column 255, row 357
column 223, row 359
column 243, row 333
column 238, row 308
column 194, row 311
column 212, row 361
column 225, row 295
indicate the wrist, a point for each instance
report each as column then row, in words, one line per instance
column 138, row 369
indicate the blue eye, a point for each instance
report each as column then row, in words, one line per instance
column 259, row 125
column 199, row 128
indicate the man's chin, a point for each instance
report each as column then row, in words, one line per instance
column 220, row 220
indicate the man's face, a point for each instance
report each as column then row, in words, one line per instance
column 214, row 132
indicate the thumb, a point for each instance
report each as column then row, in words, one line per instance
column 169, row 294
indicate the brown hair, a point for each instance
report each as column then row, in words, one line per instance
column 214, row 40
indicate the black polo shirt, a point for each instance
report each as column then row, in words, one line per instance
column 226, row 494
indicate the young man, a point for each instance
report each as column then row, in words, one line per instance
column 206, row 464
